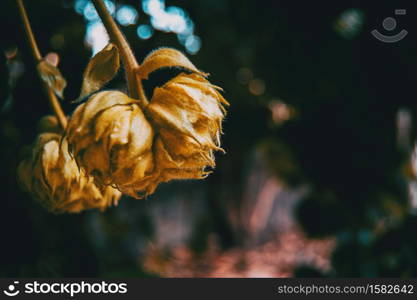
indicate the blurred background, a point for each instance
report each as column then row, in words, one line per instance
column 319, row 178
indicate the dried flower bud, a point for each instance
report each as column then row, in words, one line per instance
column 187, row 111
column 53, row 177
column 111, row 140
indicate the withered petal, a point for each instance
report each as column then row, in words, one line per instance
column 165, row 57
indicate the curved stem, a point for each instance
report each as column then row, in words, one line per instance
column 130, row 63
column 53, row 100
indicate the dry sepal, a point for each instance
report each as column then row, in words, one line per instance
column 52, row 176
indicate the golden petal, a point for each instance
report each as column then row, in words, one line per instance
column 100, row 102
column 165, row 57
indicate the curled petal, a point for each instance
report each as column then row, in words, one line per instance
column 165, row 57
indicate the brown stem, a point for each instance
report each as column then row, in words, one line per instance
column 56, row 106
column 130, row 63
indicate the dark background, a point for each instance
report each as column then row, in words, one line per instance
column 337, row 163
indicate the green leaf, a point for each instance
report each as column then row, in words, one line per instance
column 100, row 70
column 52, row 77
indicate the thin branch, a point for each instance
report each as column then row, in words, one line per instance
column 130, row 63
column 53, row 100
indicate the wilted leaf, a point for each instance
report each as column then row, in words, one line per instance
column 52, row 77
column 100, row 70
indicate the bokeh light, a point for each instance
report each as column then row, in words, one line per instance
column 52, row 58
column 79, row 6
column 90, row 13
column 171, row 19
column 257, row 87
column 281, row 111
column 349, row 23
column 193, row 44
column 127, row 15
column 144, row 32
column 96, row 36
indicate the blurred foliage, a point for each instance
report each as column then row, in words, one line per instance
column 341, row 144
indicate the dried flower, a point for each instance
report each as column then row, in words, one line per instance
column 134, row 145
column 187, row 112
column 111, row 139
column 53, row 177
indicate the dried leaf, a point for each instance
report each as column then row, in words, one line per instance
column 100, row 70
column 52, row 77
